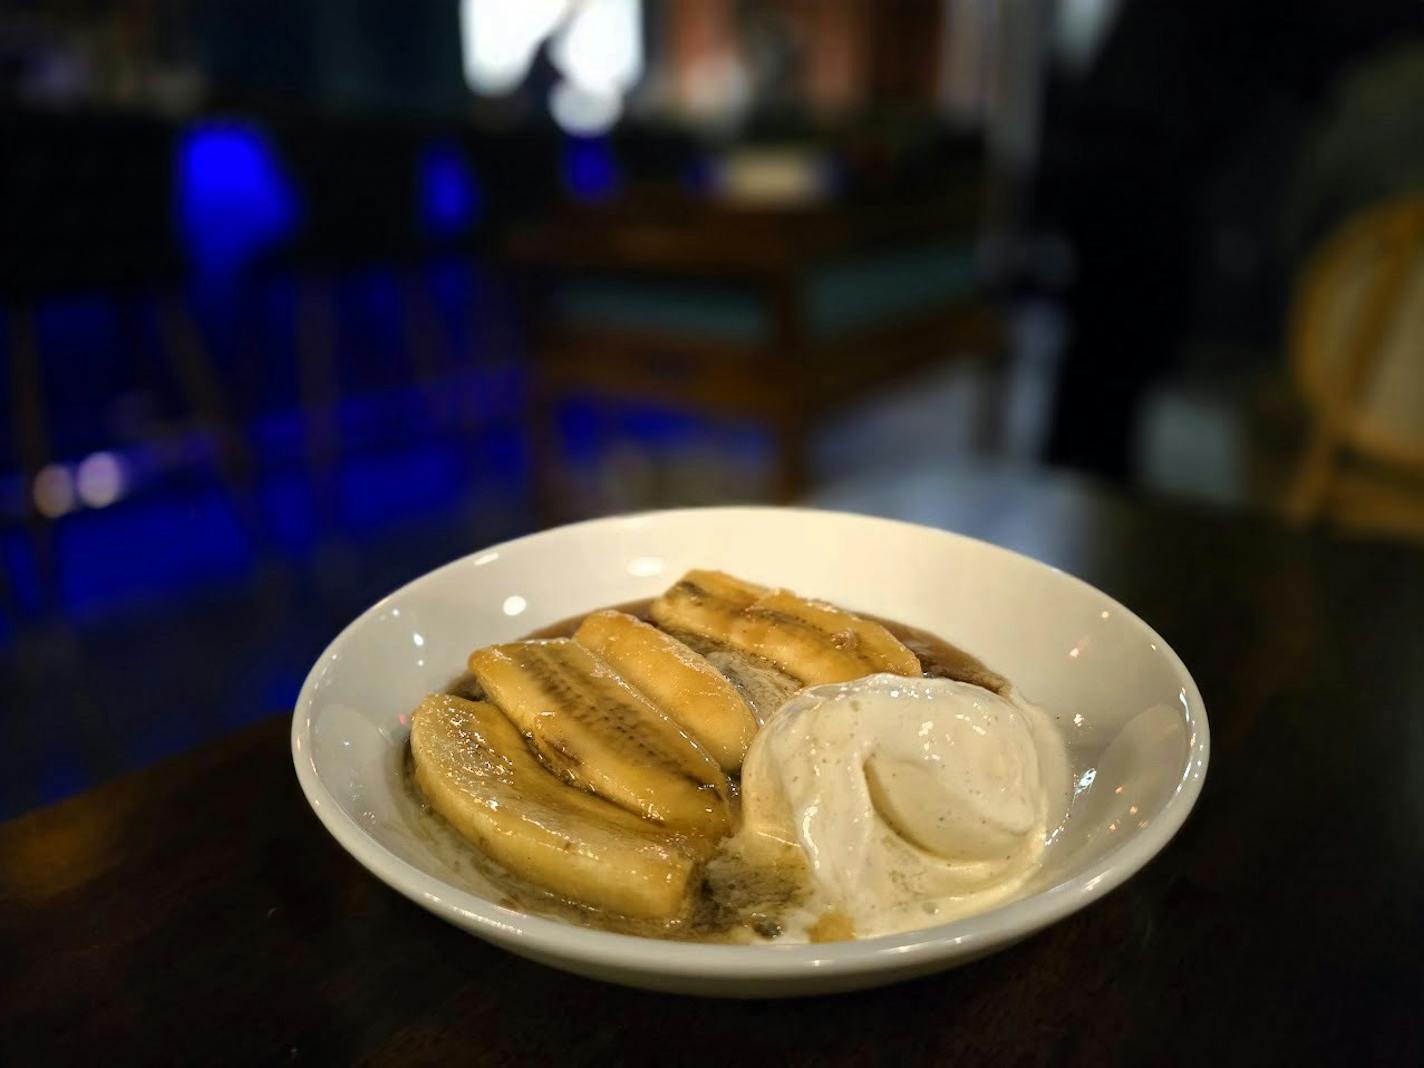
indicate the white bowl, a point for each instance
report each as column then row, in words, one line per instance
column 1132, row 717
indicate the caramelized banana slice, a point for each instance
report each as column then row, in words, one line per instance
column 813, row 641
column 477, row 772
column 705, row 603
column 679, row 681
column 818, row 642
column 601, row 734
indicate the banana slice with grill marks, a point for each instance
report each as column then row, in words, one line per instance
column 818, row 642
column 476, row 771
column 679, row 681
column 811, row 640
column 600, row 734
column 705, row 603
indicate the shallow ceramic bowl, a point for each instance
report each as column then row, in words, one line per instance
column 1132, row 717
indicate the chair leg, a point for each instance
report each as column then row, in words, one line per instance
column 206, row 396
column 550, row 475
column 429, row 345
column 991, row 415
column 316, row 364
column 27, row 403
column 1310, row 488
column 791, row 435
column 8, row 605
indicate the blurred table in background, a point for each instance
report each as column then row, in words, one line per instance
column 199, row 910
column 770, row 315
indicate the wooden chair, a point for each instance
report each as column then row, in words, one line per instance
column 85, row 208
column 765, row 297
column 358, row 182
column 1357, row 353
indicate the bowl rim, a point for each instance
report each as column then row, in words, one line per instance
column 552, row 938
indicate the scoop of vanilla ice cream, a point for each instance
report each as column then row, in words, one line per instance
column 914, row 801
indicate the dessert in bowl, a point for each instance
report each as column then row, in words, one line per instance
column 664, row 767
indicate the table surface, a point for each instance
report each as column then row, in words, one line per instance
column 198, row 909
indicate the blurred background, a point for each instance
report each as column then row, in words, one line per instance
column 303, row 298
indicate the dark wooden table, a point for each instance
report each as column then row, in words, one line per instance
column 197, row 911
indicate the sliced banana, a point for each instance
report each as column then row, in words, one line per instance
column 679, row 681
column 763, row 687
column 601, row 734
column 705, row 603
column 818, row 642
column 477, row 772
column 810, row 640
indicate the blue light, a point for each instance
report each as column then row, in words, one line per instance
column 234, row 199
column 450, row 198
column 590, row 171
column 395, row 487
column 155, row 550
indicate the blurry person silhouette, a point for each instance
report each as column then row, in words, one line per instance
column 1177, row 92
